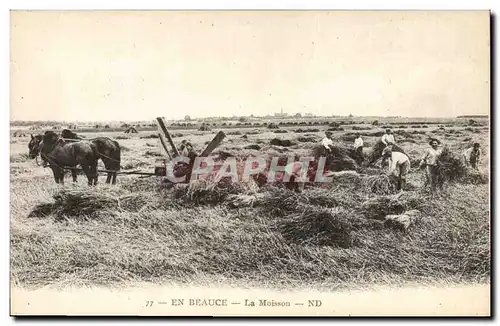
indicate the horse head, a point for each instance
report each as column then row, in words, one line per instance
column 34, row 146
column 49, row 142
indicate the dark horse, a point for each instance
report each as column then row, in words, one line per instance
column 58, row 154
column 34, row 146
column 66, row 133
column 108, row 151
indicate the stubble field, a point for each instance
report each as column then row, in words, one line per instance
column 333, row 236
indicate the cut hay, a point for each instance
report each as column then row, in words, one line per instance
column 345, row 178
column 475, row 177
column 450, row 166
column 253, row 146
column 402, row 221
column 339, row 158
column 379, row 207
column 240, row 200
column 381, row 184
column 282, row 142
column 318, row 226
column 152, row 136
column 306, row 139
column 204, row 128
column 207, row 192
column 79, row 204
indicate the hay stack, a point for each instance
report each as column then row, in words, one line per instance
column 451, row 166
column 318, row 226
column 131, row 130
column 205, row 128
column 282, row 142
column 381, row 184
column 339, row 158
column 78, row 203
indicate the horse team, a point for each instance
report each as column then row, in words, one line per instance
column 68, row 150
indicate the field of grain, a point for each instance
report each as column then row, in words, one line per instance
column 141, row 230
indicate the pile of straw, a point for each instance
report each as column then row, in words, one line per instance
column 450, row 166
column 318, row 226
column 79, row 204
column 381, row 184
column 378, row 207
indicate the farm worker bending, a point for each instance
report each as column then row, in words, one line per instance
column 399, row 165
column 430, row 161
column 186, row 148
column 358, row 147
column 327, row 141
column 472, row 155
column 388, row 138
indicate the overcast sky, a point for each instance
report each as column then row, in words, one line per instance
column 140, row 65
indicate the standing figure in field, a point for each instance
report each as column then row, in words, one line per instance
column 388, row 138
column 59, row 154
column 399, row 165
column 472, row 156
column 430, row 162
column 186, row 148
column 358, row 148
column 327, row 141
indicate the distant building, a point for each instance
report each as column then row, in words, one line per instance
column 281, row 115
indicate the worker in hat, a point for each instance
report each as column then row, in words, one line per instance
column 399, row 165
column 388, row 138
column 327, row 141
column 186, row 148
column 472, row 155
column 430, row 162
column 358, row 148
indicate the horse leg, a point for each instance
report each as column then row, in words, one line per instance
column 93, row 170
column 114, row 178
column 61, row 177
column 88, row 173
column 108, row 178
column 74, row 174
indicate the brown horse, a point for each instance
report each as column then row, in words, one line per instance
column 34, row 145
column 59, row 154
column 66, row 133
column 107, row 149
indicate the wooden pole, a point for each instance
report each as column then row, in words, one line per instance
column 213, row 144
column 161, row 123
column 164, row 144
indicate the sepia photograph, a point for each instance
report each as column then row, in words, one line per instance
column 250, row 163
